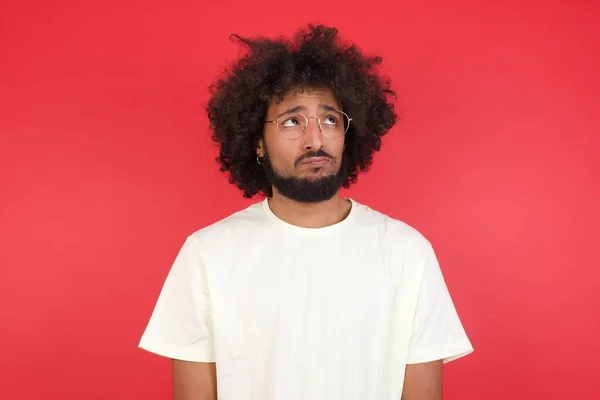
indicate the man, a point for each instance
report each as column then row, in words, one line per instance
column 305, row 295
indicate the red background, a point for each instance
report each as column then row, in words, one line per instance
column 106, row 166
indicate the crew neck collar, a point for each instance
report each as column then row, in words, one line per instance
column 308, row 231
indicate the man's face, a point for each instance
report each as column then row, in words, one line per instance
column 310, row 168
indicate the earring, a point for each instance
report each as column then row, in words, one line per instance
column 258, row 159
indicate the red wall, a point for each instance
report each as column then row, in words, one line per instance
column 106, row 166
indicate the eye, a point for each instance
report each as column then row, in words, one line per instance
column 290, row 122
column 330, row 119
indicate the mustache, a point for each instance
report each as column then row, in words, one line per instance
column 319, row 153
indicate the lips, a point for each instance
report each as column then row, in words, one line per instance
column 315, row 161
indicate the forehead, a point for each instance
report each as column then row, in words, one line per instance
column 305, row 96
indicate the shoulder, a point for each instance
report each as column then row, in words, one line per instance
column 406, row 249
column 393, row 230
column 235, row 226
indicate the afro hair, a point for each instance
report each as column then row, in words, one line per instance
column 314, row 57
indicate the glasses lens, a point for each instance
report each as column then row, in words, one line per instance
column 292, row 126
column 334, row 123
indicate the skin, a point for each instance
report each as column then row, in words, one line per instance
column 423, row 381
column 284, row 154
column 194, row 380
column 197, row 381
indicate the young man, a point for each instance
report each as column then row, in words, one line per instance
column 305, row 295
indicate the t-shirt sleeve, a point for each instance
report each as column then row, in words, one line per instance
column 438, row 333
column 180, row 326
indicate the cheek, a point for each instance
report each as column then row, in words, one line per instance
column 282, row 152
column 336, row 148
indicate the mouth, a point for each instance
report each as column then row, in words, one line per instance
column 316, row 161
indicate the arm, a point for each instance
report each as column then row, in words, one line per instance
column 180, row 327
column 423, row 381
column 437, row 337
column 194, row 380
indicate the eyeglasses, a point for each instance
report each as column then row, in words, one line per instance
column 332, row 123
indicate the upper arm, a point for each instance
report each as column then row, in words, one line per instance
column 437, row 335
column 194, row 380
column 423, row 381
column 180, row 326
column 437, row 332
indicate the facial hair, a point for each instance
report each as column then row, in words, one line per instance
column 304, row 190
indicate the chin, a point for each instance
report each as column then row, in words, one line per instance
column 321, row 172
column 316, row 175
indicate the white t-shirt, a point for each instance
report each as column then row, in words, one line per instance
column 291, row 313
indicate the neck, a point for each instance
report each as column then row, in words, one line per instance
column 310, row 215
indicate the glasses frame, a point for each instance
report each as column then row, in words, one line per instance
column 307, row 120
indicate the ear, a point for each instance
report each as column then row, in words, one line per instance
column 260, row 148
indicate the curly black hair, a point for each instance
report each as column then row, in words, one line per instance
column 314, row 57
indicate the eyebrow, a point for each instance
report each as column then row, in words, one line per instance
column 323, row 107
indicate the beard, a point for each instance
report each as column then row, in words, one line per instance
column 305, row 190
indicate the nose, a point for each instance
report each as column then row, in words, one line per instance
column 313, row 138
